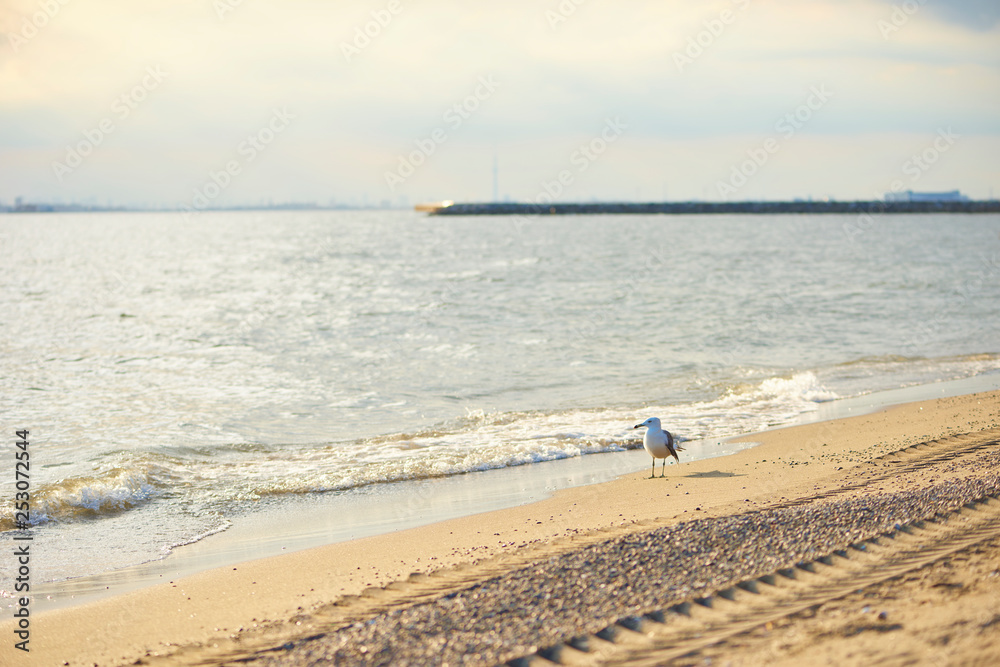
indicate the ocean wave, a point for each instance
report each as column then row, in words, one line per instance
column 874, row 373
column 215, row 478
column 430, row 461
column 797, row 389
column 114, row 491
column 490, row 440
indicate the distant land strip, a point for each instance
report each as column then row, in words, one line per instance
column 688, row 208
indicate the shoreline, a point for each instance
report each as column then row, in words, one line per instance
column 231, row 605
column 293, row 524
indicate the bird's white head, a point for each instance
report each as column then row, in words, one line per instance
column 652, row 422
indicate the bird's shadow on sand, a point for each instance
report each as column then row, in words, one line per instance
column 715, row 473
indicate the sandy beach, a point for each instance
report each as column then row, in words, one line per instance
column 919, row 598
column 329, row 326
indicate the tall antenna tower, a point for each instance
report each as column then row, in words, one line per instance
column 496, row 178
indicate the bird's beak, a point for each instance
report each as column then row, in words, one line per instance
column 637, row 426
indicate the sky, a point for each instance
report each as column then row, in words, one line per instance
column 198, row 103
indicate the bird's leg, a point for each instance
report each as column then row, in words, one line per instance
column 652, row 473
column 663, row 468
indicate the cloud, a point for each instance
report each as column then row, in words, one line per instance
column 977, row 15
column 750, row 63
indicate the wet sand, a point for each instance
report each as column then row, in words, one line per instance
column 799, row 477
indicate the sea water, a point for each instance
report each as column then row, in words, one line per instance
column 179, row 374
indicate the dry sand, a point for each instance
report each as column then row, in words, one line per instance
column 262, row 603
column 946, row 613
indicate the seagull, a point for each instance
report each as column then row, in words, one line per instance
column 659, row 443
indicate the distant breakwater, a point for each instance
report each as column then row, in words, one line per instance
column 717, row 208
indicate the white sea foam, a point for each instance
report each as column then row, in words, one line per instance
column 216, row 478
column 484, row 441
column 479, row 441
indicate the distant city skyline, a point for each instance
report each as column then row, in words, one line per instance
column 234, row 103
column 20, row 205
